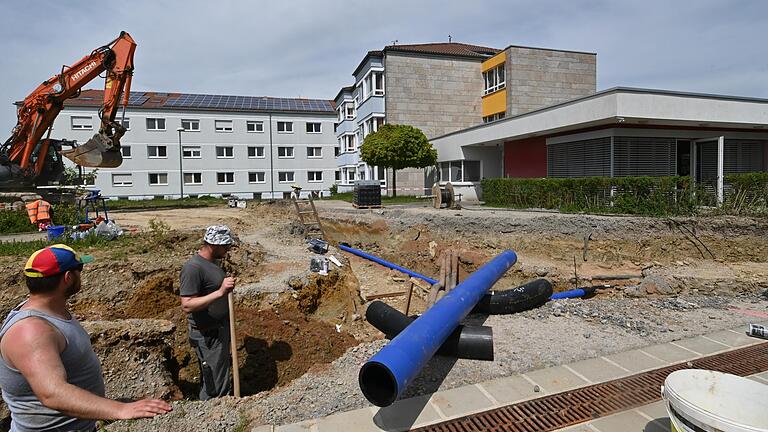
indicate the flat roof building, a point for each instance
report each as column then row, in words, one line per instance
column 616, row 132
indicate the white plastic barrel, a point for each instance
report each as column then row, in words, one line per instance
column 704, row 400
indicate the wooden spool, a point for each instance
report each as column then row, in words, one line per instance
column 443, row 197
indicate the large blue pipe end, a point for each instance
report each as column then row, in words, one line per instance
column 387, row 374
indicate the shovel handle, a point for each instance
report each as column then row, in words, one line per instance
column 233, row 344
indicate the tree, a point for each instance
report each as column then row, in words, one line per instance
column 398, row 147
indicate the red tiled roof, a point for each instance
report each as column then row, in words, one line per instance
column 449, row 48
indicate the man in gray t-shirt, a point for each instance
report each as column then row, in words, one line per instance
column 204, row 291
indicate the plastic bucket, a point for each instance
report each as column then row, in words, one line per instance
column 703, row 400
column 55, row 231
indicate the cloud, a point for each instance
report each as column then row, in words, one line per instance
column 309, row 48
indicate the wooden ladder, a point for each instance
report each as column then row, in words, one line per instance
column 312, row 226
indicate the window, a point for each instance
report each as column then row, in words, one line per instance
column 223, row 125
column 190, row 125
column 155, row 124
column 122, row 180
column 460, row 171
column 158, row 179
column 494, row 117
column 225, row 178
column 256, row 177
column 125, row 151
column 254, row 126
column 350, row 110
column 255, row 152
column 336, row 151
column 126, row 122
column 193, row 178
column 83, row 123
column 314, row 152
column 337, row 175
column 372, row 125
column 284, row 127
column 494, row 79
column 285, row 152
column 157, row 152
column 285, row 176
column 373, row 84
column 191, row 152
column 225, row 152
column 314, row 176
column 313, row 127
column 349, row 143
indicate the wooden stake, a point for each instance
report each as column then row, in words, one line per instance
column 233, row 344
column 410, row 294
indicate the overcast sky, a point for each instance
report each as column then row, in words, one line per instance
column 309, row 48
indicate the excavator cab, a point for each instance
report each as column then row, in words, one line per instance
column 99, row 151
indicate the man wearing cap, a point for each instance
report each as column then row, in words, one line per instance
column 204, row 290
column 50, row 377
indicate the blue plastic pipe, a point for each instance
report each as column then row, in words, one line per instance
column 387, row 263
column 385, row 376
column 574, row 293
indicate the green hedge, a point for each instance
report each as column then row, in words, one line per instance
column 746, row 193
column 631, row 195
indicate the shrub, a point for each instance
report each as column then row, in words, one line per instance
column 656, row 196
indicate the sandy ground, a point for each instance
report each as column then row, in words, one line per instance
column 302, row 341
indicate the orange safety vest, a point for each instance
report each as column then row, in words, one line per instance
column 39, row 211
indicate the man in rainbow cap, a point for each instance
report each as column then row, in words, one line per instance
column 50, row 376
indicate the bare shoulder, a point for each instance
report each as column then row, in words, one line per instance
column 31, row 332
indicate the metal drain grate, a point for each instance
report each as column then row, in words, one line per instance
column 572, row 407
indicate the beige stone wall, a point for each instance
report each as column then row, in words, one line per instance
column 537, row 78
column 436, row 95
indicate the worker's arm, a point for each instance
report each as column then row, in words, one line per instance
column 33, row 347
column 191, row 304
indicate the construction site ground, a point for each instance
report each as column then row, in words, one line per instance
column 302, row 337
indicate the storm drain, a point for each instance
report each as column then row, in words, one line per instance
column 572, row 407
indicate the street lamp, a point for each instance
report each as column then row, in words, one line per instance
column 181, row 157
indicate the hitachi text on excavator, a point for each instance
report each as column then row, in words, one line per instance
column 30, row 157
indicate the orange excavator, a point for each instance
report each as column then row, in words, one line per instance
column 30, row 157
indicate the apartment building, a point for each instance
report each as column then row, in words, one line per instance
column 441, row 88
column 434, row 87
column 193, row 144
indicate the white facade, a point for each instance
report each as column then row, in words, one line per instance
column 244, row 154
column 360, row 111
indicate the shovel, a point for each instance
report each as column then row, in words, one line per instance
column 99, row 151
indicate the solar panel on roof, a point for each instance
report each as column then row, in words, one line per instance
column 227, row 102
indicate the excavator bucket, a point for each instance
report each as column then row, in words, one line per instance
column 99, row 151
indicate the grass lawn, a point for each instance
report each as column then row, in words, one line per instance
column 124, row 204
column 347, row 196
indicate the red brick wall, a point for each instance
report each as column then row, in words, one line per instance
column 525, row 158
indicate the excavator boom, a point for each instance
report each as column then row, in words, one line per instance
column 30, row 155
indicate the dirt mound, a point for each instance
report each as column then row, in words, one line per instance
column 329, row 297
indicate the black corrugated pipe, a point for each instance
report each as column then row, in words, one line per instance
column 467, row 342
column 527, row 296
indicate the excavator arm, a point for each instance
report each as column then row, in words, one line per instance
column 26, row 152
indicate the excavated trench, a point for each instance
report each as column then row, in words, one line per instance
column 305, row 326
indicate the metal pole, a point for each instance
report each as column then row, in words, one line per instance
column 271, row 164
column 181, row 170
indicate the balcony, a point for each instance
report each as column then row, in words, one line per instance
column 372, row 105
column 347, row 159
column 346, row 126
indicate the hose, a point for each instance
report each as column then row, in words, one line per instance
column 527, row 296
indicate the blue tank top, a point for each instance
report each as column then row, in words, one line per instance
column 28, row 414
